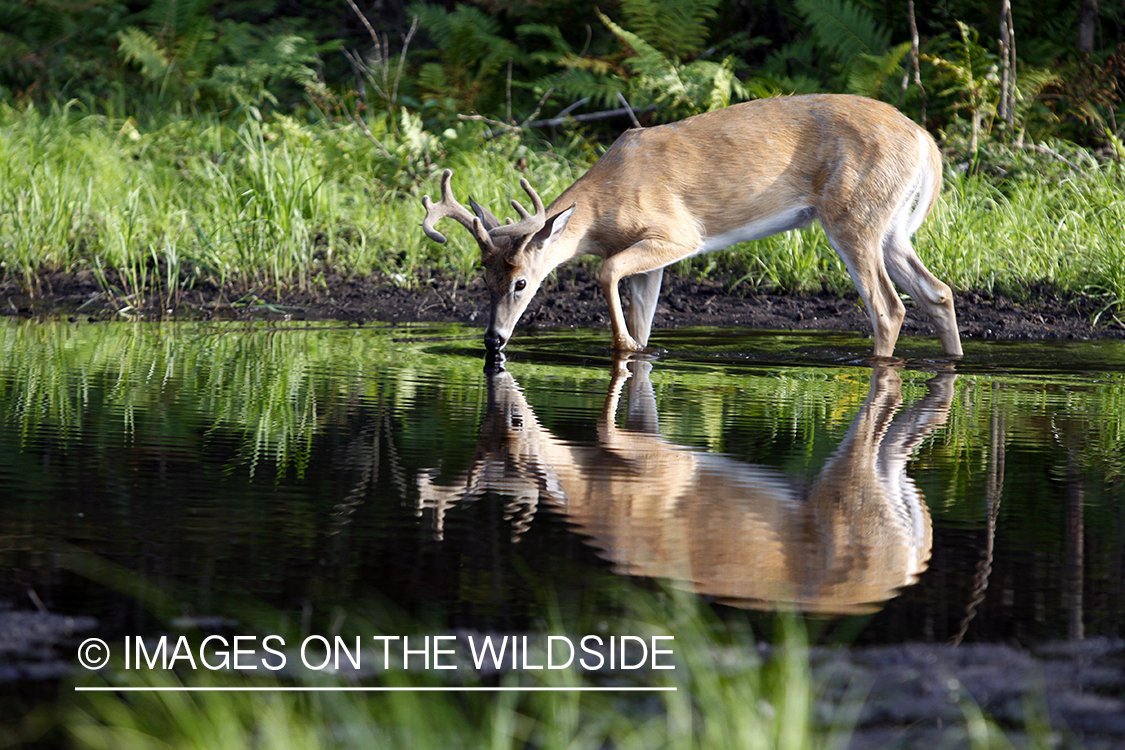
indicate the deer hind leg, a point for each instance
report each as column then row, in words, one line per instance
column 861, row 254
column 932, row 295
column 644, row 292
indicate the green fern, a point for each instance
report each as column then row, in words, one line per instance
column 870, row 74
column 969, row 73
column 844, row 28
column 677, row 28
column 174, row 18
column 182, row 50
column 279, row 59
column 471, row 52
column 793, row 69
column 593, row 79
column 846, row 50
column 681, row 89
column 139, row 48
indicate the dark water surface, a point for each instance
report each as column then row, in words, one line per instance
column 306, row 474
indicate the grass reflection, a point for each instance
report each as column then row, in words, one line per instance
column 278, row 388
column 265, row 445
column 367, row 411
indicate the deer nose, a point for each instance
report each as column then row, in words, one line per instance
column 493, row 341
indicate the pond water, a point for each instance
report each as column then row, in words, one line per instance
column 309, row 473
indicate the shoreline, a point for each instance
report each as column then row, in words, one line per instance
column 572, row 299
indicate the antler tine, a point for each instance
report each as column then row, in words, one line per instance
column 449, row 207
column 536, row 201
column 529, row 223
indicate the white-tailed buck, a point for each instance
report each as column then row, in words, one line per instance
column 665, row 193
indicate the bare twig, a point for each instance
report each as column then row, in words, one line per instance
column 1051, row 152
column 561, row 119
column 629, row 109
column 509, row 91
column 1007, row 106
column 363, row 18
column 543, row 100
column 388, row 88
column 571, row 107
column 402, row 55
column 916, row 56
column 501, row 126
column 362, row 125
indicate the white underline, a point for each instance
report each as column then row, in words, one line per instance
column 360, row 689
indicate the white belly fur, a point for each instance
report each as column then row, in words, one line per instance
column 793, row 218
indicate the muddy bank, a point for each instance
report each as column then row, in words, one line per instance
column 574, row 300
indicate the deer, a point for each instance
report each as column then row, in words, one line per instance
column 745, row 534
column 661, row 194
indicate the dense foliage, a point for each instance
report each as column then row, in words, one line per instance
column 271, row 144
column 512, row 61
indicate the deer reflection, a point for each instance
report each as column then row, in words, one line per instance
column 747, row 535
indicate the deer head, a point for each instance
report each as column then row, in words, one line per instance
column 513, row 253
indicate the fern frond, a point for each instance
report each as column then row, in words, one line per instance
column 139, row 48
column 844, row 28
column 550, row 33
column 173, row 17
column 870, row 72
column 601, row 90
column 647, row 60
column 792, row 59
column 596, row 65
column 194, row 50
column 1032, row 81
column 467, row 36
column 678, row 28
column 682, row 89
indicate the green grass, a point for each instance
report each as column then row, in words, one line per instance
column 1065, row 232
column 254, row 206
column 268, row 207
column 726, row 696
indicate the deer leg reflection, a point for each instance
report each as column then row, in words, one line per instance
column 743, row 533
column 868, row 530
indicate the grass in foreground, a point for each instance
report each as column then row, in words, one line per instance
column 727, row 697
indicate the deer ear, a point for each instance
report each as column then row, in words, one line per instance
column 487, row 218
column 554, row 227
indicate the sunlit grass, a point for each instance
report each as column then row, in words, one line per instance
column 1066, row 233
column 281, row 205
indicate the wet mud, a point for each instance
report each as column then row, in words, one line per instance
column 573, row 299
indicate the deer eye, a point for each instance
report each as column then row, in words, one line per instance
column 520, row 285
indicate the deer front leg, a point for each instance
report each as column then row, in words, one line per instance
column 622, row 341
column 647, row 257
column 644, row 292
